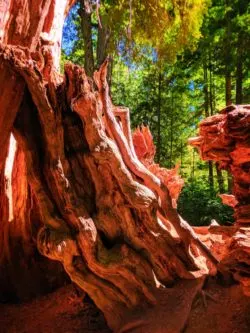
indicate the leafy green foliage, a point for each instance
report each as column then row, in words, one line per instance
column 199, row 206
column 164, row 26
column 167, row 26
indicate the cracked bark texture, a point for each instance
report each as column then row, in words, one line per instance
column 78, row 190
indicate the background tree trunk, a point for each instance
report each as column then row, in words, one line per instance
column 239, row 71
column 220, row 178
column 159, row 116
column 228, row 83
column 206, row 109
column 103, row 39
column 86, row 13
column 211, row 98
column 228, row 55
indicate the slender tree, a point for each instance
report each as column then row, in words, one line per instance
column 206, row 108
column 86, row 28
column 159, row 106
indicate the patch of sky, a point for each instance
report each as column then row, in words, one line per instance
column 70, row 34
column 191, row 85
column 126, row 51
column 173, row 83
column 200, row 86
column 191, row 108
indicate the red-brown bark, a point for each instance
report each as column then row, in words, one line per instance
column 224, row 138
column 22, row 23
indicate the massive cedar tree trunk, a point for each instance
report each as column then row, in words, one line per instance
column 74, row 183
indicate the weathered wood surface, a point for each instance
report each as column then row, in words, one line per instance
column 225, row 138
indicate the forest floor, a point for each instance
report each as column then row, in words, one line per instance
column 64, row 311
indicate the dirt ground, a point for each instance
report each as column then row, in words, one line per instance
column 218, row 309
column 63, row 311
column 227, row 312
